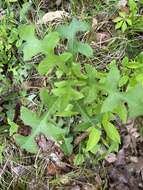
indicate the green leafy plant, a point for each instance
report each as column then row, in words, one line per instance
column 123, row 21
column 85, row 100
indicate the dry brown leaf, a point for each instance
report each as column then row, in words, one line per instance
column 54, row 15
column 111, row 158
column 122, row 3
column 52, row 168
column 94, row 23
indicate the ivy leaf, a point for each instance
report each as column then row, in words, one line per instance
column 69, row 33
column 94, row 137
column 38, row 126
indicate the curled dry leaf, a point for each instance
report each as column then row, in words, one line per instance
column 51, row 16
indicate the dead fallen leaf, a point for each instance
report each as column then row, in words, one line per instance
column 134, row 159
column 44, row 143
column 111, row 158
column 122, row 3
column 52, row 169
column 94, row 23
column 120, row 158
column 51, row 16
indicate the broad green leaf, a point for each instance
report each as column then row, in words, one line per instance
column 79, row 159
column 38, row 126
column 67, row 93
column 94, row 137
column 118, row 25
column 112, row 79
column 76, row 69
column 111, row 130
column 46, row 98
column 111, row 102
column 52, row 60
column 34, row 46
column 134, row 99
column 84, row 49
column 129, row 21
column 82, row 127
column 69, row 33
column 66, row 146
column 133, row 6
column 124, row 27
column 117, row 19
column 122, row 112
column 122, row 14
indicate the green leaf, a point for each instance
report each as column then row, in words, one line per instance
column 117, row 19
column 134, row 98
column 111, row 130
column 122, row 14
column 52, row 60
column 124, row 27
column 13, row 127
column 25, row 7
column 46, row 98
column 67, row 93
column 118, row 25
column 123, row 80
column 133, row 6
column 84, row 49
column 94, row 137
column 38, row 126
column 112, row 79
column 79, row 159
column 129, row 21
column 69, row 33
column 34, row 46
column 122, row 112
column 82, row 127
column 66, row 146
column 111, row 102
